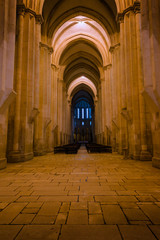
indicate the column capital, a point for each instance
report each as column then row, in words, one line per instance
column 108, row 66
column 120, row 18
column 21, row 9
column 50, row 49
column 39, row 19
column 112, row 48
column 30, row 11
column 102, row 79
column 60, row 81
column 54, row 67
column 43, row 45
column 136, row 8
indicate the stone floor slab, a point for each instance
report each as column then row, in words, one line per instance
column 127, row 191
column 113, row 214
column 136, row 233
column 134, row 214
column 77, row 217
column 9, row 232
column 10, row 212
column 49, row 208
column 152, row 211
column 156, row 230
column 40, row 232
column 94, row 232
column 23, row 219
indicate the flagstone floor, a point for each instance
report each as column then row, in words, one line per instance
column 80, row 197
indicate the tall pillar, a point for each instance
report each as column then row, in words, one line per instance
column 96, row 119
column 114, row 97
column 68, row 122
column 144, row 155
column 44, row 132
column 122, row 88
column 18, row 73
column 7, row 54
column 60, row 108
column 136, row 141
column 54, row 104
column 39, row 21
column 150, row 44
column 103, row 110
column 21, row 121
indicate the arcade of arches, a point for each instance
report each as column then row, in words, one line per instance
column 79, row 71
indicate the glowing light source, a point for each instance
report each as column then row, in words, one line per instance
column 81, row 23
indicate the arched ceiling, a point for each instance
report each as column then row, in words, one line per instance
column 81, row 45
column 56, row 12
column 48, row 5
column 82, row 83
column 81, row 67
column 80, row 32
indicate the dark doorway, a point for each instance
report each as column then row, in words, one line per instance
column 82, row 117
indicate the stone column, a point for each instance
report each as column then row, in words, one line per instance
column 103, row 99
column 113, row 84
column 122, row 88
column 7, row 54
column 150, row 44
column 108, row 112
column 39, row 21
column 39, row 140
column 22, row 147
column 68, row 122
column 120, row 132
column 145, row 155
column 49, row 134
column 44, row 130
column 54, row 110
column 99, row 122
column 64, row 116
column 136, row 143
column 60, row 97
column 96, row 119
column 18, row 77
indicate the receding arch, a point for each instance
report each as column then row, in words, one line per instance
column 79, row 81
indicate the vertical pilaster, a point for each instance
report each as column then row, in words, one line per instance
column 144, row 155
column 103, row 110
column 108, row 112
column 36, row 79
column 7, row 54
column 122, row 88
column 18, row 78
column 60, row 106
column 22, row 112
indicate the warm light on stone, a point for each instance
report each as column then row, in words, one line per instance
column 71, row 73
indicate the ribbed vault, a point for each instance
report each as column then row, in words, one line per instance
column 47, row 5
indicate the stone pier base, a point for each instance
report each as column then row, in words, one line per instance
column 156, row 162
column 3, row 163
column 19, row 157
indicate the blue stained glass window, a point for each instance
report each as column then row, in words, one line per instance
column 87, row 113
column 82, row 123
column 78, row 113
column 82, row 113
column 90, row 113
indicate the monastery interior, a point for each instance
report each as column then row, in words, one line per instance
column 106, row 53
column 77, row 72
